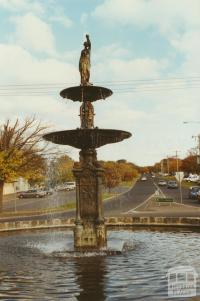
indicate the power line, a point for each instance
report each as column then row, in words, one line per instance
column 197, row 77
column 126, row 86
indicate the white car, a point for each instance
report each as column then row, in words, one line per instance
column 162, row 183
column 192, row 178
column 70, row 186
column 143, row 178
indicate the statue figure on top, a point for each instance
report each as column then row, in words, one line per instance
column 84, row 63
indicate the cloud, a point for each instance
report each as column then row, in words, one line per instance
column 57, row 15
column 33, row 33
column 166, row 15
column 22, row 5
column 84, row 18
column 63, row 20
column 188, row 44
column 116, row 69
column 109, row 51
column 21, row 66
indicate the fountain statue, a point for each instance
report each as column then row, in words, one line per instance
column 90, row 229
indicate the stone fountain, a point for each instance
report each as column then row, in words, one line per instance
column 90, row 229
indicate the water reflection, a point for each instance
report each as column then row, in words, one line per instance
column 90, row 278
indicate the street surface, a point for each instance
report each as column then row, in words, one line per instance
column 58, row 198
column 120, row 204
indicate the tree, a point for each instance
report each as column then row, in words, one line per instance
column 189, row 164
column 62, row 170
column 111, row 176
column 20, row 151
column 174, row 164
column 126, row 170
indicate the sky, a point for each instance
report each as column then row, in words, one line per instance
column 146, row 51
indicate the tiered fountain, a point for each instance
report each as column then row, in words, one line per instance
column 90, row 230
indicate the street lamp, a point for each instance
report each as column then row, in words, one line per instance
column 195, row 121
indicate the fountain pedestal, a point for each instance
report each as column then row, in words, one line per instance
column 90, row 231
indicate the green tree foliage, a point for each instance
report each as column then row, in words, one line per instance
column 20, row 152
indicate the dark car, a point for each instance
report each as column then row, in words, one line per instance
column 172, row 184
column 193, row 191
column 32, row 193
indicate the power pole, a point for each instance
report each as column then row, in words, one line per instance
column 168, row 165
column 198, row 151
column 177, row 167
column 161, row 167
column 178, row 175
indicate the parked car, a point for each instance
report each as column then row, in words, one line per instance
column 192, row 178
column 32, row 193
column 162, row 183
column 66, row 186
column 172, row 184
column 198, row 195
column 193, row 191
column 70, row 186
column 48, row 191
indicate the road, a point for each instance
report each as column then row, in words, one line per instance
column 130, row 199
column 58, row 198
column 175, row 194
column 124, row 202
column 115, row 206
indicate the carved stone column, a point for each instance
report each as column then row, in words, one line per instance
column 90, row 232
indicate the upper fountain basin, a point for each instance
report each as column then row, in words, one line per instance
column 86, row 93
column 87, row 138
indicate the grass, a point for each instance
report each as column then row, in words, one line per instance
column 107, row 195
column 164, row 199
column 65, row 207
column 126, row 184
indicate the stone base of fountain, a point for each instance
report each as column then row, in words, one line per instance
column 90, row 237
column 90, row 230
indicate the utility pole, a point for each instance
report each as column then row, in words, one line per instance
column 161, row 166
column 198, row 157
column 168, row 165
column 178, row 175
column 198, row 151
column 177, row 167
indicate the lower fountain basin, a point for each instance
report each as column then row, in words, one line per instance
column 33, row 266
column 87, row 138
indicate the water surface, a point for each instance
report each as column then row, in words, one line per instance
column 32, row 267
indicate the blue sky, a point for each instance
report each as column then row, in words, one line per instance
column 147, row 51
